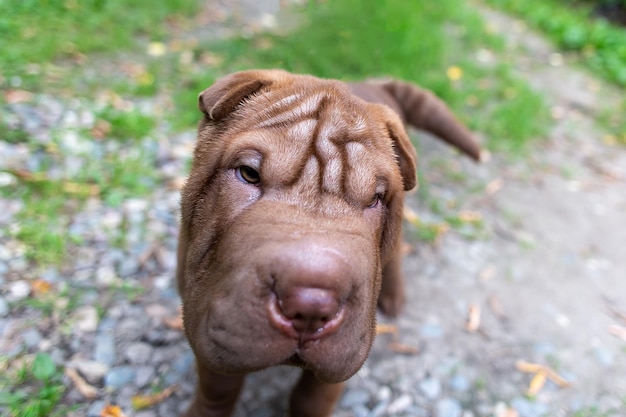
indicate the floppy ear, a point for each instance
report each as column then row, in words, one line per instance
column 223, row 97
column 405, row 152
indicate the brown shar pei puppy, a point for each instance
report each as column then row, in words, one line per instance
column 291, row 221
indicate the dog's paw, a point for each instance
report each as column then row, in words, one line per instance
column 391, row 304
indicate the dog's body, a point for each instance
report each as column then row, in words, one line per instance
column 291, row 221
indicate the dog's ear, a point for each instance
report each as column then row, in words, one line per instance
column 223, row 97
column 405, row 152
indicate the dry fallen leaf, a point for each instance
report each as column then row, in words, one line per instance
column 18, row 96
column 473, row 318
column 618, row 331
column 494, row 186
column 467, row 216
column 144, row 401
column 496, row 307
column 175, row 323
column 541, row 374
column 112, row 411
column 536, row 384
column 411, row 216
column 394, row 345
column 40, row 287
column 488, row 273
column 88, row 391
column 391, row 329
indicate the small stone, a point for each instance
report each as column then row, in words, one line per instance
column 139, row 353
column 379, row 409
column 18, row 290
column 460, row 383
column 4, row 307
column 105, row 276
column 146, row 413
column 448, row 407
column 262, row 412
column 360, row 410
column 604, row 356
column 105, row 349
column 431, row 387
column 86, row 318
column 119, row 376
column 145, row 375
column 400, row 404
column 527, row 408
column 92, row 371
column 95, row 409
column 384, row 393
column 31, row 337
column 183, row 363
column 431, row 331
column 354, row 397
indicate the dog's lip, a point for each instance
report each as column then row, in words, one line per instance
column 285, row 326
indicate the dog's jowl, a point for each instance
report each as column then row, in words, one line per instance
column 291, row 221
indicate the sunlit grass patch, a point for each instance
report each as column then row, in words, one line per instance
column 437, row 45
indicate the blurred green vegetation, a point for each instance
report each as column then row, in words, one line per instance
column 434, row 44
column 601, row 45
column 36, row 32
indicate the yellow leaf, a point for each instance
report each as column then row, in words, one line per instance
column 40, row 287
column 88, row 391
column 538, row 381
column 454, row 73
column 156, row 49
column 473, row 318
column 411, row 216
column 112, row 411
column 145, row 401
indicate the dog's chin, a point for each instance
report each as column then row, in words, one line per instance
column 327, row 365
column 330, row 375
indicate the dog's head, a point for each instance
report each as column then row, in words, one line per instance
column 292, row 207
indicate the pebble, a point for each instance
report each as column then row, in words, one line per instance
column 86, row 319
column 431, row 387
column 527, row 408
column 119, row 376
column 460, row 383
column 92, row 371
column 448, row 407
column 18, row 290
column 95, row 409
column 4, row 307
column 138, row 353
column 354, row 397
column 145, row 375
column 32, row 337
column 400, row 404
column 104, row 351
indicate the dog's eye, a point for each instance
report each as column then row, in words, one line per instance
column 375, row 200
column 248, row 175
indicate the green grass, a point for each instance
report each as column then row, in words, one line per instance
column 37, row 32
column 32, row 390
column 126, row 124
column 413, row 41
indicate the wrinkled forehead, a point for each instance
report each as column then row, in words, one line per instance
column 323, row 134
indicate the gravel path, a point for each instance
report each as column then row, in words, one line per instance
column 546, row 276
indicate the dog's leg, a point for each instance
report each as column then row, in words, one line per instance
column 392, row 296
column 216, row 394
column 312, row 398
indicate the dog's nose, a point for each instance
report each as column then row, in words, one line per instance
column 310, row 310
